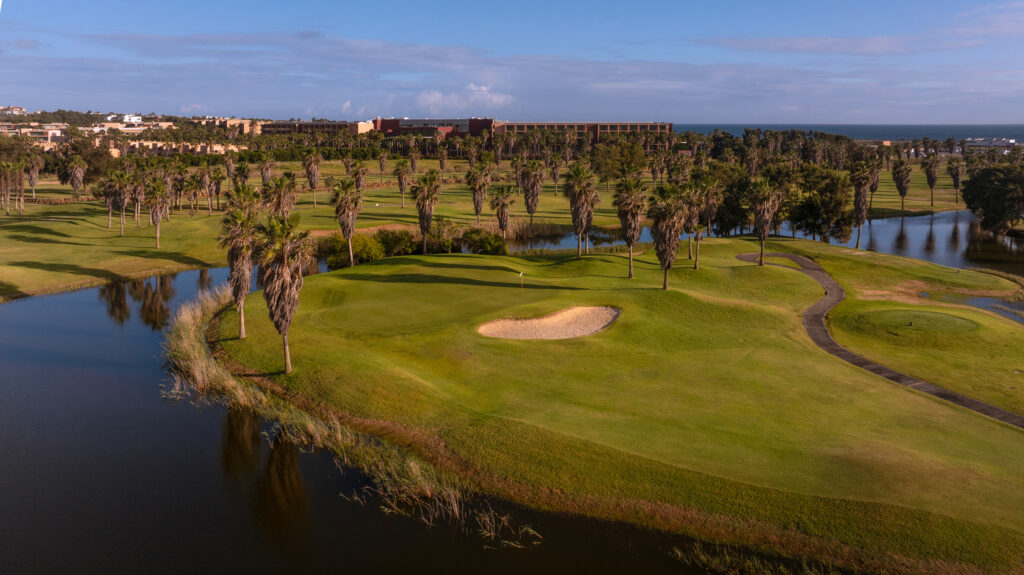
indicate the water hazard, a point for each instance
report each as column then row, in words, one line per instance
column 101, row 473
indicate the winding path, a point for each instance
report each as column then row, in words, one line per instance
column 814, row 323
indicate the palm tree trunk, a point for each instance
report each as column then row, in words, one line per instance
column 241, row 320
column 664, row 284
column 158, row 233
column 902, row 199
column 209, row 204
column 424, row 244
column 110, row 216
column 33, row 192
column 138, row 212
column 858, row 235
column 287, row 355
column 351, row 257
column 314, row 199
column 588, row 244
column 761, row 261
column 931, row 195
column 631, row 261
column 689, row 246
column 579, row 246
column 696, row 259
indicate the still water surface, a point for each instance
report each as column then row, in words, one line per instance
column 100, row 474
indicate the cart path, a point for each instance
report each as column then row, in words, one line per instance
column 814, row 323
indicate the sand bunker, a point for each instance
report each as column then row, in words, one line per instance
column 566, row 324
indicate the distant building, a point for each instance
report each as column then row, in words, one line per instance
column 447, row 127
column 585, row 129
column 12, row 111
column 243, row 126
column 317, row 127
column 40, row 133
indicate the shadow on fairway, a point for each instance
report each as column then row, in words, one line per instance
column 8, row 291
column 438, row 279
column 70, row 269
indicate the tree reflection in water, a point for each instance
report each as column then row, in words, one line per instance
column 279, row 496
column 929, row 241
column 115, row 295
column 900, row 246
column 241, row 446
column 204, row 281
column 954, row 236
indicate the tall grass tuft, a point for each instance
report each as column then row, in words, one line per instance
column 401, row 482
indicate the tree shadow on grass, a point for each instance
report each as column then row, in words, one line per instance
column 43, row 240
column 444, row 264
column 32, row 229
column 10, row 291
column 439, row 279
column 70, row 269
column 162, row 255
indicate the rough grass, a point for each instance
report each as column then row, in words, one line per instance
column 705, row 410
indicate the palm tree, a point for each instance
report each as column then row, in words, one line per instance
column 861, row 176
column 901, row 172
column 35, row 165
column 442, row 157
column 359, row 173
column 956, row 170
column 76, row 169
column 119, row 190
column 556, row 167
column 192, row 186
column 630, row 201
column 766, row 200
column 532, row 182
column 402, row 171
column 347, row 200
column 930, row 166
column 206, row 185
column 382, row 161
column 706, row 200
column 280, row 195
column 266, row 168
column 217, row 178
column 582, row 195
column 502, row 200
column 427, row 192
column 238, row 235
column 311, row 163
column 241, row 174
column 666, row 212
column 159, row 203
column 282, row 253
column 414, row 156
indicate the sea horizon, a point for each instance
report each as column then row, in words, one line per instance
column 872, row 131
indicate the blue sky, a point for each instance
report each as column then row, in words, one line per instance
column 686, row 62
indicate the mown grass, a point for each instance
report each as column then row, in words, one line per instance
column 704, row 410
column 52, row 248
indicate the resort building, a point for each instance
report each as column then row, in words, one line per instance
column 391, row 127
column 12, row 111
column 317, row 127
column 584, row 129
column 40, row 133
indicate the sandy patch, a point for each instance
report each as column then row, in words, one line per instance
column 565, row 324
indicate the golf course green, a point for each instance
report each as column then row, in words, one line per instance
column 703, row 410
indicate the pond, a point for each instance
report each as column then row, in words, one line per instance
column 953, row 239
column 101, row 473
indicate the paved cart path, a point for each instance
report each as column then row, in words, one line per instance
column 814, row 323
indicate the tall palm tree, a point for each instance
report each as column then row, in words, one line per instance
column 956, row 170
column 630, row 201
column 930, row 166
column 427, row 192
column 347, row 200
column 532, row 182
column 206, row 185
column 241, row 174
column 666, row 212
column 280, row 195
column 414, row 157
column 402, row 171
column 282, row 253
column 901, row 174
column 217, row 177
column 35, row 165
column 502, row 200
column 705, row 201
column 120, row 188
column 861, row 176
column 359, row 173
column 442, row 157
column 266, row 168
column 555, row 170
column 766, row 200
column 238, row 235
column 582, row 195
column 76, row 169
column 193, row 184
column 382, row 161
column 158, row 200
column 311, row 163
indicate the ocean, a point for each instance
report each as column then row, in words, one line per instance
column 878, row 131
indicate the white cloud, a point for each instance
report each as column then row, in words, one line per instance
column 472, row 97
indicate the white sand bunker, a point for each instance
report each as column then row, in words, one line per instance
column 565, row 324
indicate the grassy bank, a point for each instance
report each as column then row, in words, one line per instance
column 704, row 410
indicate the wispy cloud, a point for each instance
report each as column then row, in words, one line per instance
column 869, row 46
column 992, row 20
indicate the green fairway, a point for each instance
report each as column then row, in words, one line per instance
column 79, row 250
column 704, row 409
